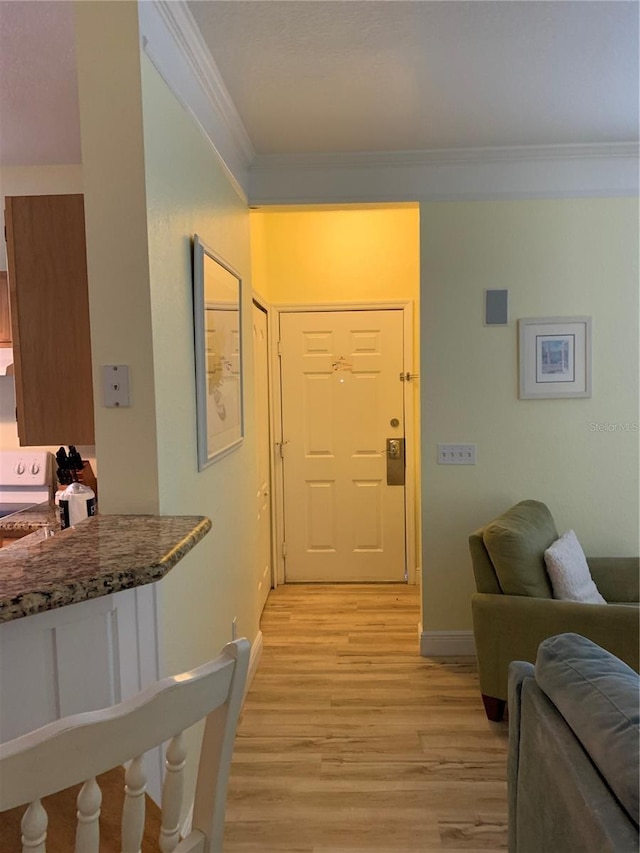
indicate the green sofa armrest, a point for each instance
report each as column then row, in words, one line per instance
column 617, row 578
column 511, row 627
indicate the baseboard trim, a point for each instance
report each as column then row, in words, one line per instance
column 447, row 643
column 254, row 659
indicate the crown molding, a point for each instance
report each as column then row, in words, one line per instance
column 170, row 39
column 522, row 172
column 447, row 156
column 180, row 23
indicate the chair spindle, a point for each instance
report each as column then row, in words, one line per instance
column 134, row 807
column 34, row 828
column 172, row 791
column 88, row 814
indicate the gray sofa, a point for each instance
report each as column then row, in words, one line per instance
column 573, row 765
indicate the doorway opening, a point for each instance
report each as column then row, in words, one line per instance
column 342, row 285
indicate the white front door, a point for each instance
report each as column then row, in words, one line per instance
column 263, row 485
column 342, row 398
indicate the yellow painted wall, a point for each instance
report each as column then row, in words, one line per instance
column 336, row 253
column 188, row 193
column 557, row 258
column 310, row 255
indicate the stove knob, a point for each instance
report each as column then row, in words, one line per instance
column 19, row 469
column 34, row 468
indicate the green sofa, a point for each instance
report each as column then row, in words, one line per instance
column 514, row 611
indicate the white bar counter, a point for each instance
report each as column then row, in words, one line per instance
column 79, row 614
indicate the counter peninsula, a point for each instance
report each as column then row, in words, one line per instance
column 80, row 614
column 99, row 556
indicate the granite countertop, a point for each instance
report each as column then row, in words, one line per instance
column 100, row 555
column 32, row 518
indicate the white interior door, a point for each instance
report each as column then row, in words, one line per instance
column 263, row 486
column 341, row 399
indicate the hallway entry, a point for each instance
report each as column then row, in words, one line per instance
column 343, row 445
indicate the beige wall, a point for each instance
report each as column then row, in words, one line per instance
column 108, row 58
column 557, row 258
column 140, row 221
column 151, row 181
column 353, row 253
column 189, row 193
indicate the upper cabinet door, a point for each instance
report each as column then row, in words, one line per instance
column 49, row 300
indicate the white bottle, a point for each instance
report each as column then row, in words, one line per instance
column 76, row 502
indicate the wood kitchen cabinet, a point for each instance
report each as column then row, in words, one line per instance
column 49, row 302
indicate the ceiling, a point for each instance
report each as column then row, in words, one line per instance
column 345, row 75
column 39, row 117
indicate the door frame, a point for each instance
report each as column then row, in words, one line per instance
column 411, row 490
column 274, row 428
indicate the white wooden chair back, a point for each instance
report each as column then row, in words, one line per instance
column 76, row 749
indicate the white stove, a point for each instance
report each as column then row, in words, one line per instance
column 26, row 479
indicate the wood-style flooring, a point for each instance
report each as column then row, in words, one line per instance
column 350, row 742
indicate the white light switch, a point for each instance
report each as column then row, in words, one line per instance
column 456, row 454
column 115, row 385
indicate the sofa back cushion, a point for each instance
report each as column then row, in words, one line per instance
column 516, row 542
column 483, row 569
column 599, row 697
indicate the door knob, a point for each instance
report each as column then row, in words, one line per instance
column 394, row 448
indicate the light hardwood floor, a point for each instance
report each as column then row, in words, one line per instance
column 351, row 742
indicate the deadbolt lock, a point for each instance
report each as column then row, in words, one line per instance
column 394, row 422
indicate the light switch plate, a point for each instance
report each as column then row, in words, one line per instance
column 115, row 385
column 456, row 454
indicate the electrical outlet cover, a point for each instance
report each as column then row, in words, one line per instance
column 115, row 385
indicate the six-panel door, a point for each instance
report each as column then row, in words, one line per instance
column 341, row 390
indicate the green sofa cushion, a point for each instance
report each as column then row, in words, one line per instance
column 516, row 542
column 599, row 697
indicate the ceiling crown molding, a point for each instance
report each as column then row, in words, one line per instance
column 548, row 171
column 184, row 29
column 172, row 41
column 447, row 156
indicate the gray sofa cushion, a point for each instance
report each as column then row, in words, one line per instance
column 516, row 542
column 598, row 695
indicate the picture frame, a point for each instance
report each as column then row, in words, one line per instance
column 217, row 317
column 555, row 357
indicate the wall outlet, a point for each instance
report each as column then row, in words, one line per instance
column 234, row 628
column 115, row 385
column 456, row 454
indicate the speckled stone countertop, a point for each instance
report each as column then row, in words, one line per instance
column 31, row 518
column 100, row 555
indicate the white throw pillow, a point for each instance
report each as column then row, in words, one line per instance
column 568, row 571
